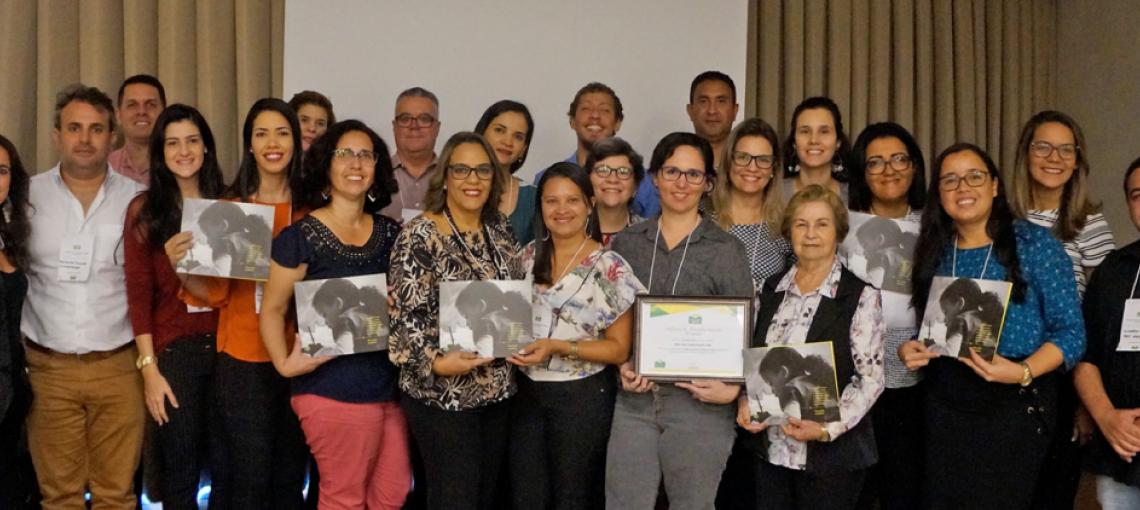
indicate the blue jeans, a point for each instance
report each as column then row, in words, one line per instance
column 1114, row 495
column 667, row 433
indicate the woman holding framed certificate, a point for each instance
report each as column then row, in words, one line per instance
column 581, row 306
column 973, row 405
column 815, row 460
column 455, row 401
column 680, row 432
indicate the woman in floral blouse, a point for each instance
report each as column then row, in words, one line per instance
column 582, row 296
column 803, row 463
column 454, row 401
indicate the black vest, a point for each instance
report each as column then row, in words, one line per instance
column 854, row 449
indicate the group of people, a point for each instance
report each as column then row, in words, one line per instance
column 100, row 333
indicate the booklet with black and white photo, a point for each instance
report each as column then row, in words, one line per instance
column 964, row 313
column 231, row 239
column 795, row 381
column 880, row 251
column 343, row 315
column 490, row 317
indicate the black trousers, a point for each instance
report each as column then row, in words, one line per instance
column 895, row 483
column 18, row 488
column 1061, row 472
column 559, row 433
column 463, row 452
column 261, row 437
column 780, row 488
column 190, row 441
column 985, row 442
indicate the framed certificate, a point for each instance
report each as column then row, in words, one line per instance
column 683, row 338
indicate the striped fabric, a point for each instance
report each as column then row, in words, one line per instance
column 1088, row 249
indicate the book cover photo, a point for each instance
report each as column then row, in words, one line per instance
column 489, row 317
column 795, row 381
column 231, row 239
column 341, row 316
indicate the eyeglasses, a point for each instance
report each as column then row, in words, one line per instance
column 460, row 172
column 407, row 120
column 1045, row 149
column 763, row 161
column 973, row 179
column 623, row 172
column 899, row 162
column 672, row 173
column 365, row 156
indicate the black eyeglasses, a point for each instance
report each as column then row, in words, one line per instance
column 899, row 162
column 623, row 172
column 672, row 173
column 407, row 120
column 1045, row 149
column 763, row 161
column 460, row 172
column 365, row 156
column 973, row 179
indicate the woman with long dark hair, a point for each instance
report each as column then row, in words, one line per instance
column 508, row 128
column 582, row 296
column 816, row 150
column 456, row 402
column 347, row 404
column 888, row 181
column 988, row 423
column 18, row 481
column 176, row 343
column 261, row 436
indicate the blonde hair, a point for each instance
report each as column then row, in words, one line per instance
column 816, row 193
column 773, row 193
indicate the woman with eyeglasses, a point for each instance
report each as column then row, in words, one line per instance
column 456, row 402
column 616, row 171
column 749, row 203
column 508, row 128
column 1049, row 186
column 989, row 423
column 888, row 180
column 178, row 344
column 261, row 437
column 582, row 296
column 816, row 150
column 347, row 404
column 680, row 432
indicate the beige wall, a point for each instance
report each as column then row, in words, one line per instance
column 1098, row 83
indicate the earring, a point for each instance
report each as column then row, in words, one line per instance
column 837, row 168
column 445, row 186
column 371, row 198
column 325, row 195
column 547, row 236
column 587, row 227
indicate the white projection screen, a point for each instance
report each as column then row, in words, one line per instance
column 362, row 53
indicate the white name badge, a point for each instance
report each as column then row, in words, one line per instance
column 1130, row 327
column 409, row 214
column 258, row 292
column 75, row 256
column 198, row 309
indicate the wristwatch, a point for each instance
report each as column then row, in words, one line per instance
column 573, row 354
column 143, row 361
column 824, row 435
column 1026, row 375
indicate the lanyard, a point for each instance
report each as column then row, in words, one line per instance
column 1134, row 279
column 653, row 261
column 496, row 257
column 954, row 263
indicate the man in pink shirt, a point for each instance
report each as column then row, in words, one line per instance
column 141, row 98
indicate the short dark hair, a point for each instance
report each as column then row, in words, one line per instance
column 144, row 79
column 597, row 87
column 81, row 93
column 669, row 144
column 314, row 98
column 500, row 108
column 712, row 76
column 615, row 146
column 860, row 192
column 419, row 92
column 247, row 180
column 842, row 155
column 1135, row 165
column 318, row 161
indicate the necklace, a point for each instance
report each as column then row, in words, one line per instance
column 954, row 260
column 571, row 261
column 653, row 261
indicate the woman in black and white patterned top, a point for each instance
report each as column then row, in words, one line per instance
column 1049, row 186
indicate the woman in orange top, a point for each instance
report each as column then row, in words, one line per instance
column 261, row 438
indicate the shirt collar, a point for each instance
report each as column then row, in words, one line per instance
column 826, row 289
column 397, row 164
column 649, row 228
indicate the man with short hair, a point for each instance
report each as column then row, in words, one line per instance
column 141, row 99
column 415, row 128
column 86, row 422
column 712, row 108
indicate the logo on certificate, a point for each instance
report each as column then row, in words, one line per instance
column 695, row 319
column 659, row 364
